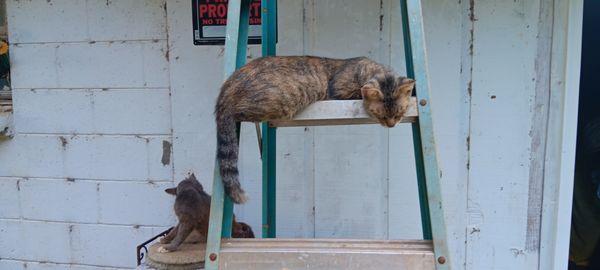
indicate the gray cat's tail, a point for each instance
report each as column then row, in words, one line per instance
column 227, row 156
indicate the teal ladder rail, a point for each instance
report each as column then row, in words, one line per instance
column 428, row 173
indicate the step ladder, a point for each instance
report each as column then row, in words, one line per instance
column 270, row 253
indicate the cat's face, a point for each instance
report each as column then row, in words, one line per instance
column 386, row 98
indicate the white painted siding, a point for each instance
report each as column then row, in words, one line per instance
column 103, row 88
column 503, row 77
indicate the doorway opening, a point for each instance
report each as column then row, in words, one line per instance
column 584, row 250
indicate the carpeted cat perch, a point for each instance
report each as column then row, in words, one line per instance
column 189, row 256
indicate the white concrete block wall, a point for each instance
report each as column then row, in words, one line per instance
column 83, row 180
column 103, row 88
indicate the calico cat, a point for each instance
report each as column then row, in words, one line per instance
column 278, row 87
column 192, row 207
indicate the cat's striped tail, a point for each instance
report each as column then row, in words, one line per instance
column 227, row 156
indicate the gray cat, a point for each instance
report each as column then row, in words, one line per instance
column 192, row 208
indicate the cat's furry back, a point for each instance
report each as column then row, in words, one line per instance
column 278, row 87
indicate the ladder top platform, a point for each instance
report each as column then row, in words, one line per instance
column 339, row 112
column 266, row 254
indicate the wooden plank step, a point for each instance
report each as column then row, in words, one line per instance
column 339, row 112
column 330, row 254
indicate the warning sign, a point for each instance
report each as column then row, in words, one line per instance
column 210, row 19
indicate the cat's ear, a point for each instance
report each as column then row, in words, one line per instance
column 371, row 92
column 172, row 191
column 407, row 85
column 191, row 176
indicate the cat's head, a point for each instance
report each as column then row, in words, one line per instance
column 387, row 97
column 188, row 182
column 242, row 230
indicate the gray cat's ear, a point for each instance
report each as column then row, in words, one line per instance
column 407, row 85
column 371, row 91
column 172, row 191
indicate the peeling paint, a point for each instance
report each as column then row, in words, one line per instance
column 63, row 141
column 380, row 15
column 468, row 143
column 472, row 11
column 517, row 251
column 539, row 127
column 143, row 138
column 470, row 84
column 166, row 156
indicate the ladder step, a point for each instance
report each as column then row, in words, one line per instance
column 339, row 112
column 266, row 254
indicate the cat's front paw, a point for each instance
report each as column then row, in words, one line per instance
column 162, row 249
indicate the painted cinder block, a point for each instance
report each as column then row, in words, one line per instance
column 123, row 64
column 136, row 203
column 59, row 200
column 85, row 20
column 84, row 201
column 35, row 241
column 92, row 111
column 64, row 243
column 106, row 245
column 143, row 19
column 9, row 201
column 61, row 20
column 87, row 156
